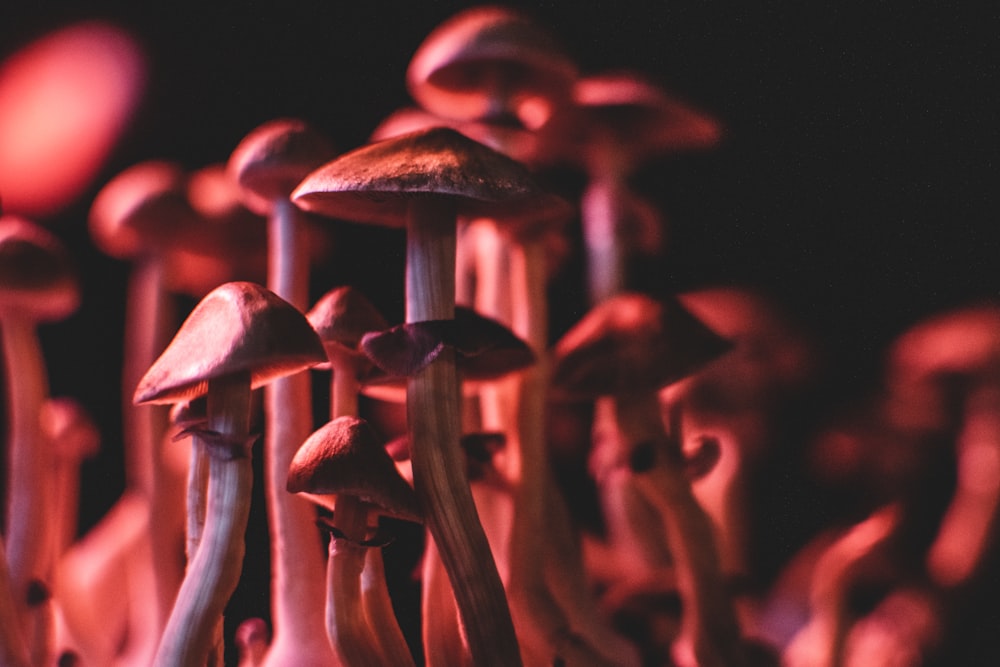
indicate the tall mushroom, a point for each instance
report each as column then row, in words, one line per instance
column 37, row 284
column 240, row 336
column 422, row 181
column 344, row 467
column 268, row 164
column 628, row 348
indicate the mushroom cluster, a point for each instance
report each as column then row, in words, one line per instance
column 491, row 485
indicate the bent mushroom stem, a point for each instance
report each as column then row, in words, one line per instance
column 434, row 416
column 13, row 651
column 190, row 633
column 442, row 637
column 378, row 605
column 709, row 621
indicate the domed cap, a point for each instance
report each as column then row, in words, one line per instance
column 632, row 344
column 142, row 209
column 274, row 158
column 37, row 277
column 344, row 457
column 342, row 317
column 448, row 72
column 238, row 327
column 375, row 183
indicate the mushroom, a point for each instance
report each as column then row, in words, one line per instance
column 239, row 337
column 268, row 164
column 37, row 284
column 422, row 181
column 626, row 349
column 617, row 121
column 252, row 639
column 13, row 648
column 341, row 318
column 343, row 467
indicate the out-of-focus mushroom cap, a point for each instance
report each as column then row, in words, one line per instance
column 274, row 158
column 375, row 183
column 70, row 428
column 628, row 114
column 37, row 276
column 238, row 327
column 632, row 344
column 341, row 318
column 142, row 209
column 447, row 72
column 485, row 348
column 962, row 341
column 344, row 457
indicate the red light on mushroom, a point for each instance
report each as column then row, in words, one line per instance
column 64, row 101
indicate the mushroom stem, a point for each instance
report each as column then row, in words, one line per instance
column 709, row 627
column 601, row 217
column 212, row 577
column 347, row 625
column 441, row 631
column 344, row 388
column 434, row 417
column 197, row 484
column 378, row 609
column 296, row 553
column 13, row 651
column 29, row 463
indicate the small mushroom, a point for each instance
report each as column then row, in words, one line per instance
column 240, row 336
column 343, row 467
column 423, row 181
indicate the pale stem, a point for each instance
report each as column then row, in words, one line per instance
column 197, row 484
column 605, row 253
column 434, row 417
column 149, row 324
column 347, row 626
column 344, row 388
column 29, row 463
column 441, row 631
column 212, row 577
column 296, row 550
column 380, row 614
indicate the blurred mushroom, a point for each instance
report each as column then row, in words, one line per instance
column 423, row 181
column 13, row 648
column 252, row 639
column 268, row 164
column 240, row 336
column 343, row 467
column 626, row 349
column 37, row 284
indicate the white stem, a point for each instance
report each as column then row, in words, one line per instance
column 381, row 616
column 605, row 254
column 434, row 417
column 296, row 551
column 212, row 577
column 13, row 649
column 441, row 629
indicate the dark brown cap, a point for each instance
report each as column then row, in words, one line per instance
column 37, row 277
column 375, row 183
column 446, row 75
column 344, row 457
column 632, row 344
column 238, row 327
column 273, row 158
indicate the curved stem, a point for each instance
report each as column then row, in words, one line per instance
column 212, row 577
column 13, row 650
column 296, row 551
column 434, row 417
column 197, row 485
column 381, row 616
column 441, row 632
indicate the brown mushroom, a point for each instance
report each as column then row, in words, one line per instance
column 268, row 164
column 240, row 336
column 343, row 466
column 422, row 181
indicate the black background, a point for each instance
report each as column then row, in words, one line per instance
column 857, row 182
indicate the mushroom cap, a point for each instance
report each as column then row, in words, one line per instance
column 70, row 428
column 632, row 344
column 965, row 341
column 344, row 457
column 37, row 276
column 446, row 74
column 341, row 318
column 375, row 183
column 274, row 158
column 142, row 209
column 628, row 114
column 238, row 327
